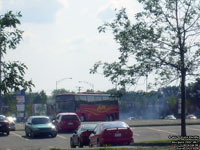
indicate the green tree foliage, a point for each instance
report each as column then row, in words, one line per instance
column 163, row 42
column 173, row 102
column 11, row 73
column 9, row 100
column 35, row 98
column 193, row 96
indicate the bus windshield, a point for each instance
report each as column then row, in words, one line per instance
column 65, row 104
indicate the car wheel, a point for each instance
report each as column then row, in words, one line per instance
column 80, row 143
column 32, row 134
column 26, row 132
column 98, row 143
column 90, row 144
column 72, row 143
column 8, row 132
column 54, row 134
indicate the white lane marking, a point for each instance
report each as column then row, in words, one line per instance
column 136, row 134
column 62, row 137
column 194, row 129
column 162, row 131
column 16, row 134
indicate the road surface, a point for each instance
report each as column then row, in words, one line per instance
column 17, row 139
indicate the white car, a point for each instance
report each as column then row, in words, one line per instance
column 131, row 118
column 170, row 117
column 191, row 117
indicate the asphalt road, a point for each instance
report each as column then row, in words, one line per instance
column 18, row 141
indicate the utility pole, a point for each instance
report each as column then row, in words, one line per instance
column 79, row 88
column 88, row 83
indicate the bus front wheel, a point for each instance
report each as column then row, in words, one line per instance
column 111, row 118
column 107, row 118
column 82, row 117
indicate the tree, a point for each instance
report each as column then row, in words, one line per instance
column 193, row 94
column 11, row 73
column 163, row 42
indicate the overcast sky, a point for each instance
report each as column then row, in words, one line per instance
column 61, row 40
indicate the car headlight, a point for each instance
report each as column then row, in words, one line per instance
column 53, row 127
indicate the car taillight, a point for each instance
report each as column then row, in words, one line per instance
column 130, row 132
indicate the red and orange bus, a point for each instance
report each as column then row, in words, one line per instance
column 89, row 107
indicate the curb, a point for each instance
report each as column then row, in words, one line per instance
column 151, row 144
column 155, row 125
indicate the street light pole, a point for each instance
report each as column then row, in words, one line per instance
column 58, row 81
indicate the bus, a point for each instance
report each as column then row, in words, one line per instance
column 89, row 106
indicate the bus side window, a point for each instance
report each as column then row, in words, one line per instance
column 81, row 98
column 105, row 98
column 92, row 98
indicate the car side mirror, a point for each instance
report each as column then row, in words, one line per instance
column 29, row 123
column 75, row 132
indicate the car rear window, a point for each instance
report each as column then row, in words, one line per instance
column 69, row 117
column 89, row 127
column 40, row 121
column 115, row 125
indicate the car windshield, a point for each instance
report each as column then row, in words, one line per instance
column 89, row 127
column 114, row 125
column 69, row 117
column 40, row 121
column 2, row 117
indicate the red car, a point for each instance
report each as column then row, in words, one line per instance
column 81, row 137
column 111, row 133
column 67, row 122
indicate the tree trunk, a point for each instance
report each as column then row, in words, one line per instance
column 183, row 125
column 183, row 78
column 0, row 81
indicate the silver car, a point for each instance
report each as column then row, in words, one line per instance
column 170, row 117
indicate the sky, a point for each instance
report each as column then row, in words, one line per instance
column 61, row 41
